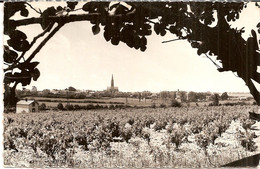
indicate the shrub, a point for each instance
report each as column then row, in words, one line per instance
column 160, row 125
column 162, row 105
column 105, row 107
column 77, row 107
column 97, row 106
column 42, row 106
column 69, row 107
column 234, row 103
column 175, row 103
column 60, row 106
column 111, row 106
column 247, row 141
column 153, row 105
column 215, row 99
column 90, row 106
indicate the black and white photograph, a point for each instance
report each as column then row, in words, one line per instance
column 130, row 84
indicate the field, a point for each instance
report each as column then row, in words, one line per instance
column 133, row 102
column 147, row 137
column 52, row 102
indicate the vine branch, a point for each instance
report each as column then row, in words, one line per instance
column 40, row 45
column 39, row 12
column 48, row 28
column 44, row 42
column 172, row 40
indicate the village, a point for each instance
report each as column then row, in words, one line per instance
column 32, row 100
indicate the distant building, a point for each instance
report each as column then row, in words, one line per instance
column 153, row 96
column 55, row 91
column 46, row 91
column 243, row 98
column 112, row 89
column 27, row 106
column 34, row 89
column 208, row 98
column 26, row 90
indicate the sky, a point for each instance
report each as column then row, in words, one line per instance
column 75, row 57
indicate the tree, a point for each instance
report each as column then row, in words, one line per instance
column 60, row 106
column 224, row 96
column 69, row 107
column 43, row 106
column 183, row 96
column 72, row 89
column 192, row 96
column 175, row 103
column 215, row 99
column 164, row 95
column 131, row 23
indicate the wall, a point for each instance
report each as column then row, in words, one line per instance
column 22, row 108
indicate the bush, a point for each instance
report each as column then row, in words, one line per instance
column 111, row 106
column 9, row 109
column 215, row 99
column 69, row 107
column 247, row 141
column 90, row 106
column 105, row 107
column 162, row 105
column 60, row 106
column 175, row 103
column 235, row 103
column 160, row 125
column 153, row 105
column 97, row 106
column 42, row 106
column 77, row 107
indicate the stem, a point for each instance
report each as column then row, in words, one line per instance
column 67, row 19
column 44, row 42
column 213, row 62
column 48, row 28
column 253, row 90
column 171, row 40
column 14, row 65
column 39, row 12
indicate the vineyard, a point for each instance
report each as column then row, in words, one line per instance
column 161, row 137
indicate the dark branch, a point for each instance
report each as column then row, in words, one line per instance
column 172, row 40
column 39, row 12
column 38, row 48
column 44, row 42
column 63, row 19
column 219, row 67
column 15, row 64
column 253, row 90
column 34, row 40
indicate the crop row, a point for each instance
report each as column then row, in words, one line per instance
column 57, row 133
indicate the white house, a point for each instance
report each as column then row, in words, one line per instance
column 27, row 106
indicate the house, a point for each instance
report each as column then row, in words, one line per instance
column 153, row 96
column 27, row 106
column 243, row 98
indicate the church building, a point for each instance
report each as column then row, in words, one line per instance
column 112, row 89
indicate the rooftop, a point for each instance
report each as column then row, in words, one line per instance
column 25, row 102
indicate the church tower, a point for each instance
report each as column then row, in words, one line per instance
column 112, row 89
column 112, row 82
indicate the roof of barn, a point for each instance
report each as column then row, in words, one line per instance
column 25, row 102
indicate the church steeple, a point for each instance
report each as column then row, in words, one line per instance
column 112, row 82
